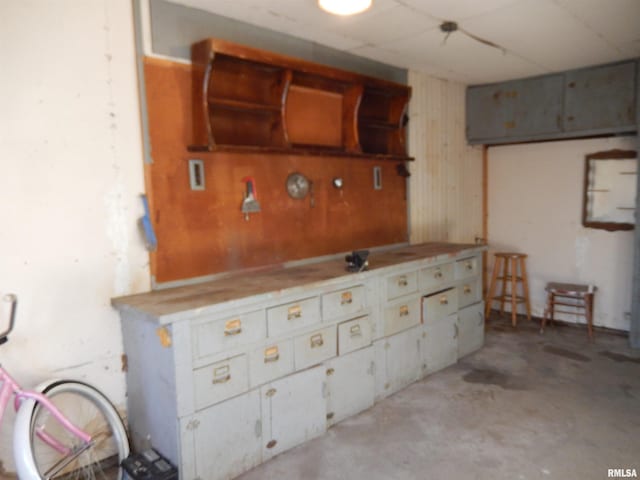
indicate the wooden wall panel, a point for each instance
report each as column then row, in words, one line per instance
column 446, row 178
column 204, row 232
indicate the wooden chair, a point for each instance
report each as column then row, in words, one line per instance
column 578, row 297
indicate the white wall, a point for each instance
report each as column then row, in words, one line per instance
column 535, row 207
column 70, row 150
column 445, row 187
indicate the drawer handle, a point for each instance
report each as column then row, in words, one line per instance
column 221, row 374
column 294, row 312
column 272, row 443
column 271, row 392
column 346, row 298
column 330, row 371
column 316, row 340
column 456, row 330
column 233, row 327
column 467, row 289
column 404, row 311
column 355, row 331
column 271, row 354
column 402, row 281
column 481, row 322
column 469, row 266
column 444, row 300
column 438, row 274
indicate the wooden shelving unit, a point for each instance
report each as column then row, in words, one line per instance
column 245, row 98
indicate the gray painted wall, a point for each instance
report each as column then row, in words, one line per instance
column 175, row 27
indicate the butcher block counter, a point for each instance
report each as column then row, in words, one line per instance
column 224, row 374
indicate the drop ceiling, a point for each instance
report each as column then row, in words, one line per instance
column 533, row 37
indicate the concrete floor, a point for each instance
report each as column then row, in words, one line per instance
column 526, row 406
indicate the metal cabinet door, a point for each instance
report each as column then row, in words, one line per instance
column 440, row 344
column 470, row 329
column 294, row 410
column 350, row 384
column 222, row 441
column 403, row 359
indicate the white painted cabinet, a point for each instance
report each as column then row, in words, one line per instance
column 224, row 440
column 350, row 384
column 440, row 344
column 294, row 410
column 226, row 374
column 470, row 329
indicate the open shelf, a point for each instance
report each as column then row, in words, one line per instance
column 245, row 97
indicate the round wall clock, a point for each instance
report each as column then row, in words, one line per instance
column 297, row 185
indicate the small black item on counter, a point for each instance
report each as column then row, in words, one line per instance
column 357, row 261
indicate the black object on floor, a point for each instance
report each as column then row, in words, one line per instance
column 149, row 465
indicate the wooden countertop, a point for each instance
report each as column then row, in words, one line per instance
column 238, row 285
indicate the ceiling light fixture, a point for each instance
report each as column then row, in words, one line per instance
column 344, row 7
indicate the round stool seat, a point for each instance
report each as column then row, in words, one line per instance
column 510, row 255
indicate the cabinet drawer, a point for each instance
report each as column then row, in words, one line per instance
column 343, row 302
column 439, row 305
column 401, row 316
column 354, row 334
column 402, row 284
column 292, row 316
column 434, row 277
column 315, row 347
column 210, row 337
column 220, row 380
column 467, row 267
column 270, row 362
column 469, row 292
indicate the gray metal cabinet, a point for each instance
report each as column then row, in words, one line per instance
column 470, row 329
column 439, row 348
column 224, row 440
column 601, row 98
column 589, row 101
column 294, row 410
column 350, row 384
column 402, row 360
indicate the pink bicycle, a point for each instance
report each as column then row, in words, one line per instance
column 64, row 429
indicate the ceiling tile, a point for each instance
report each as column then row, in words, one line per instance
column 544, row 33
column 458, row 9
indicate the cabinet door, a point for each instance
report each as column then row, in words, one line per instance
column 440, row 344
column 600, row 98
column 470, row 329
column 350, row 384
column 294, row 410
column 403, row 359
column 222, row 441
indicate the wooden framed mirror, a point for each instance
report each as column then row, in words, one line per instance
column 609, row 199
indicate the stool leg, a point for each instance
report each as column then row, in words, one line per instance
column 525, row 287
column 514, row 291
column 492, row 288
column 588, row 300
column 553, row 308
column 503, row 294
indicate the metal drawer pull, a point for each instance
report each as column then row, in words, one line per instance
column 402, row 281
column 438, row 274
column 444, row 300
column 271, row 392
column 467, row 289
column 294, row 312
column 456, row 331
column 271, row 354
column 469, row 266
column 221, row 374
column 330, row 371
column 346, row 298
column 404, row 311
column 272, row 443
column 355, row 331
column 316, row 340
column 233, row 327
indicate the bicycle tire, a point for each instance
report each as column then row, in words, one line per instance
column 88, row 409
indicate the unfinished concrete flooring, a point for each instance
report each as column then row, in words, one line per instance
column 526, row 406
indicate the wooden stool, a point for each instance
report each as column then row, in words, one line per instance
column 508, row 263
column 580, row 297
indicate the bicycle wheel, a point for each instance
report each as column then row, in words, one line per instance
column 89, row 410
